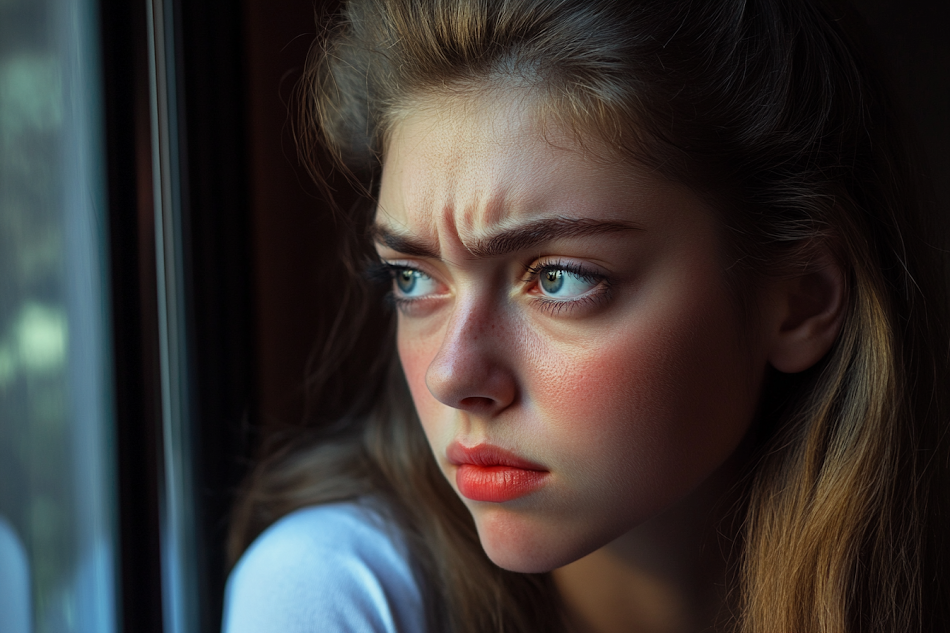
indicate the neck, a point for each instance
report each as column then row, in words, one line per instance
column 668, row 575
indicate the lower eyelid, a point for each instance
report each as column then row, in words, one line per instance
column 415, row 306
column 597, row 292
column 554, row 307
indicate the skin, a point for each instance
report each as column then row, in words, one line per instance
column 632, row 387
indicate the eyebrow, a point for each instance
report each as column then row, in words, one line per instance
column 507, row 241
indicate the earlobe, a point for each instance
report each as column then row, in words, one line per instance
column 808, row 313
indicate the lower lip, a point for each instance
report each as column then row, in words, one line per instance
column 497, row 483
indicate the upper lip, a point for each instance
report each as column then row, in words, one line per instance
column 487, row 455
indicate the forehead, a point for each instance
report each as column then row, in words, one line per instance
column 462, row 167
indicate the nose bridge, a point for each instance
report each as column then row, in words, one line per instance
column 472, row 369
column 465, row 332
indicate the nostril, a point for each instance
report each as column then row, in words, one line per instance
column 475, row 403
column 469, row 376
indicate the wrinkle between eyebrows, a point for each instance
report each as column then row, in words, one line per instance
column 509, row 240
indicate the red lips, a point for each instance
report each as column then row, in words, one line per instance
column 489, row 473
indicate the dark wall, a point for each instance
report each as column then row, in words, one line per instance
column 916, row 55
column 292, row 229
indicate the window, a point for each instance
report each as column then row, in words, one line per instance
column 57, row 467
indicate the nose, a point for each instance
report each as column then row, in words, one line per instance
column 472, row 370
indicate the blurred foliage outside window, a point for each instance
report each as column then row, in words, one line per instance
column 57, row 494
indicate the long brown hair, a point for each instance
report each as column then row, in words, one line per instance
column 765, row 108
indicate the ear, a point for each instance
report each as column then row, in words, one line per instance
column 807, row 311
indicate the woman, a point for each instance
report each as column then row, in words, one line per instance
column 670, row 333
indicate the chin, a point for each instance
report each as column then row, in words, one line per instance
column 521, row 561
column 527, row 546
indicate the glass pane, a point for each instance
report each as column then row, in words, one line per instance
column 57, row 535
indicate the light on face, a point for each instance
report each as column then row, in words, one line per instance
column 560, row 311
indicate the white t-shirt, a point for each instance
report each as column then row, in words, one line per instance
column 335, row 568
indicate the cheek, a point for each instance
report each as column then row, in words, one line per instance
column 612, row 396
column 620, row 369
column 659, row 403
column 416, row 354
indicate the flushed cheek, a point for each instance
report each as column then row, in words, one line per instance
column 651, row 408
column 617, row 369
column 603, row 406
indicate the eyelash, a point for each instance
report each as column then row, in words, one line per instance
column 596, row 295
column 385, row 273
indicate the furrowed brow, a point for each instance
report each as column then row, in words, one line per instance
column 402, row 243
column 531, row 234
column 508, row 241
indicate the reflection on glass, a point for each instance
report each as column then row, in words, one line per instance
column 56, row 455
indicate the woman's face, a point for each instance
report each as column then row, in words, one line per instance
column 564, row 326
